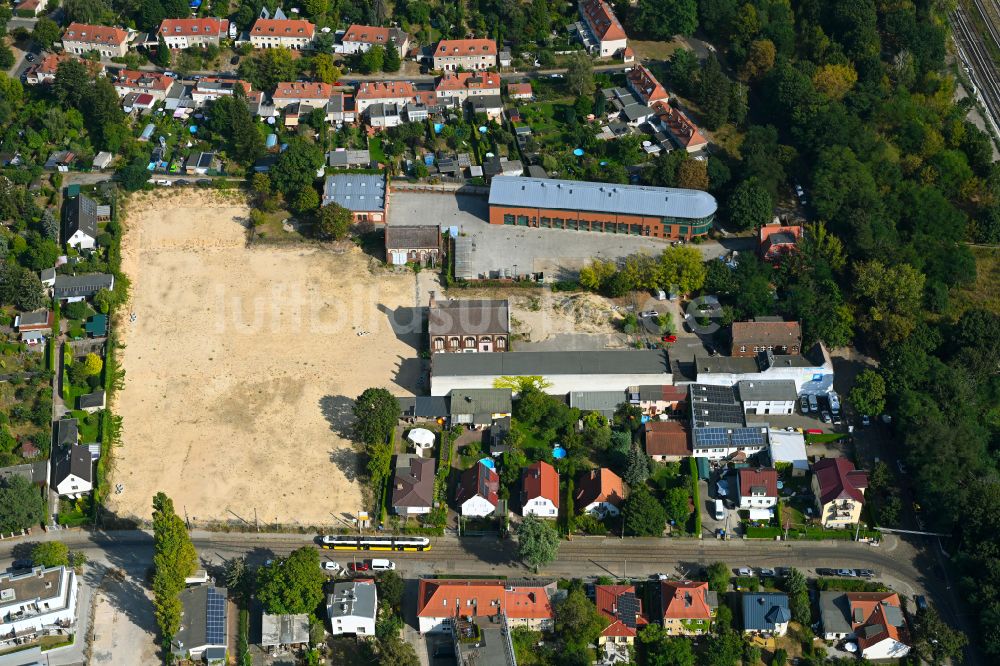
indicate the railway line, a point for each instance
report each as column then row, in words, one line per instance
column 976, row 58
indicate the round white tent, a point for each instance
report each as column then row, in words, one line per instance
column 422, row 438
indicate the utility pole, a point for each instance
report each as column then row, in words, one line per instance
column 256, row 524
column 625, row 570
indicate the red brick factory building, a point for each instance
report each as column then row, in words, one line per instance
column 634, row 210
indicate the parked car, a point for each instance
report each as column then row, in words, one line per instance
column 744, row 572
column 648, row 313
column 813, row 404
column 234, row 60
column 849, row 573
column 669, row 339
column 30, row 57
column 825, row 416
column 866, row 420
column 864, row 573
column 826, row 572
column 383, row 565
column 720, row 510
column 767, row 573
column 921, row 602
column 331, row 566
column 359, row 566
column 804, row 404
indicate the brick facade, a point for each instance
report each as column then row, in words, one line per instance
column 633, row 225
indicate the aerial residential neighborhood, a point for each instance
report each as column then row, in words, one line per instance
column 433, row 333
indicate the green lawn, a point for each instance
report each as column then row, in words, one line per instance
column 89, row 425
column 375, row 147
column 825, row 438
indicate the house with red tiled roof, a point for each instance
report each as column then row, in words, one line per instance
column 184, row 33
column 645, row 86
column 766, row 334
column 600, row 492
column 30, row 7
column 621, row 605
column 757, row 490
column 156, row 84
column 477, row 492
column 315, row 94
column 600, row 30
column 681, row 130
column 44, row 71
column 520, row 91
column 109, row 41
column 873, row 619
column 269, row 33
column 656, row 399
column 440, row 602
column 471, row 54
column 540, row 491
column 666, row 441
column 360, row 38
column 840, row 491
column 688, row 607
column 383, row 92
column 776, row 240
column 459, row 86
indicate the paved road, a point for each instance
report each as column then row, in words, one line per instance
column 909, row 566
column 977, row 59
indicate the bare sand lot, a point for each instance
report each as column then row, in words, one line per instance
column 243, row 361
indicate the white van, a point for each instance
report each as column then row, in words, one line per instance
column 661, row 295
column 383, row 565
column 720, row 510
column 197, row 578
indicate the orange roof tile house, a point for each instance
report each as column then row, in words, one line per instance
column 599, row 491
column 600, row 30
column 777, row 240
column 621, row 605
column 540, row 491
column 688, row 607
column 471, row 54
column 441, row 602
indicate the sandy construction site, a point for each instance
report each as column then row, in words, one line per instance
column 242, row 363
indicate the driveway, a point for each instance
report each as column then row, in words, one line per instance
column 124, row 625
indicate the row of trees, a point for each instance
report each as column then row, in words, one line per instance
column 678, row 268
column 174, row 559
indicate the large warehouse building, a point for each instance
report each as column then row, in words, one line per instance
column 636, row 210
column 564, row 371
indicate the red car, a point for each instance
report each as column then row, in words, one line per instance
column 359, row 566
column 669, row 338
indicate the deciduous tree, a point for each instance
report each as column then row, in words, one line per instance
column 293, row 584
column 93, row 364
column 537, row 541
column 324, row 68
column 681, row 268
column 750, row 205
column 21, row 504
column 580, row 76
column 868, row 393
column 296, row 167
column 662, row 19
column 693, row 174
column 376, row 412
column 174, row 559
column 333, row 222
column 936, row 642
column 46, row 32
column 373, row 60
column 50, row 554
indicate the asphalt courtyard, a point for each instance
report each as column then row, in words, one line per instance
column 491, row 251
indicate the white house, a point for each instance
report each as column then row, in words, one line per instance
column 540, row 491
column 73, row 471
column 203, row 629
column 477, row 493
column 109, row 41
column 183, row 33
column 758, row 492
column 873, row 619
column 351, row 608
column 720, row 443
column 789, row 448
column 767, row 396
column 599, row 492
column 360, row 38
column 81, row 223
column 440, row 602
column 812, row 372
column 271, row 33
column 36, row 603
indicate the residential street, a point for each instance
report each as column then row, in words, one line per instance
column 908, row 566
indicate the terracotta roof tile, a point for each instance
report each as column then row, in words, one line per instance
column 666, row 438
column 599, row 485
column 283, row 28
column 602, row 20
column 838, row 479
column 449, row 598
column 95, row 34
column 465, row 47
column 758, row 478
column 540, row 480
column 685, row 600
column 193, row 27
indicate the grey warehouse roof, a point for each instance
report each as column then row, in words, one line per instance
column 601, row 197
column 355, row 191
column 770, row 389
column 72, row 286
column 596, row 401
column 603, row 362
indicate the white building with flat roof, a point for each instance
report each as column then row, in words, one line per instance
column 37, row 603
column 351, row 608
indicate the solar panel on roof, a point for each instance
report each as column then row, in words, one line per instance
column 628, row 609
column 724, row 395
column 215, row 617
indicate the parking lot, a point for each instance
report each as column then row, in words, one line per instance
column 491, row 251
